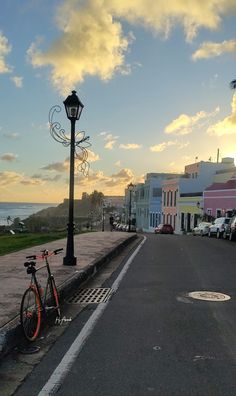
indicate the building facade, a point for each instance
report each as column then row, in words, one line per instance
column 220, row 199
column 183, row 201
column 148, row 199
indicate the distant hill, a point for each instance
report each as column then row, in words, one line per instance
column 81, row 209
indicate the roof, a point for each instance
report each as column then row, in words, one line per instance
column 229, row 185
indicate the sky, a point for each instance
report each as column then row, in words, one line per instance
column 153, row 77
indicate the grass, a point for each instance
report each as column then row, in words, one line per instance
column 14, row 243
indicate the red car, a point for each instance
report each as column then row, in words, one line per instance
column 164, row 229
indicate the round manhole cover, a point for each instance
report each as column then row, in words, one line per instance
column 209, row 296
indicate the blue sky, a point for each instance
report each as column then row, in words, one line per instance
column 153, row 78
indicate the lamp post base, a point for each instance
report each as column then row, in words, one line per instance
column 67, row 260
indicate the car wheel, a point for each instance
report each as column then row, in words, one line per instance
column 218, row 235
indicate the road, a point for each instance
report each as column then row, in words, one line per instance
column 152, row 338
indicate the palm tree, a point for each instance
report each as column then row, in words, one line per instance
column 233, row 84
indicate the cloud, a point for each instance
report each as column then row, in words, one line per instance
column 110, row 145
column 209, row 49
column 47, row 178
column 109, row 139
column 5, row 49
column 18, row 81
column 7, row 178
column 130, row 146
column 11, row 135
column 164, row 145
column 162, row 17
column 32, row 182
column 161, row 146
column 92, row 157
column 57, row 166
column 10, row 178
column 184, row 124
column 9, row 157
column 124, row 174
column 117, row 180
column 228, row 125
column 92, row 43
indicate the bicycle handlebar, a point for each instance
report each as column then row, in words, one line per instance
column 45, row 253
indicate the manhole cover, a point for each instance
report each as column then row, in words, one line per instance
column 90, row 296
column 209, row 296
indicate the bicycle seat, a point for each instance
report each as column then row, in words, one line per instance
column 30, row 264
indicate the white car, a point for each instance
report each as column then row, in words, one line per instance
column 201, row 229
column 218, row 226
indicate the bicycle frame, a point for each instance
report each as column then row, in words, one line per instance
column 35, row 284
column 31, row 311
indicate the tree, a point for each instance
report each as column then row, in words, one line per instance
column 233, row 84
column 96, row 199
column 96, row 202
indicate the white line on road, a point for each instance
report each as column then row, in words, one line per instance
column 63, row 368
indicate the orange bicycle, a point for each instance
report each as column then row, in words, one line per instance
column 35, row 301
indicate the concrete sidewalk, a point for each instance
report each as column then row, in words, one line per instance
column 92, row 251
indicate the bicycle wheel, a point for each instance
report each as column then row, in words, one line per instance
column 30, row 314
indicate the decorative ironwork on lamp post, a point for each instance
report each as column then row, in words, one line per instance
column 130, row 189
column 78, row 143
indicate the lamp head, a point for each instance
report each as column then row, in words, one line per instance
column 73, row 106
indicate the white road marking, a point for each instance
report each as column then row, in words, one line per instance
column 63, row 368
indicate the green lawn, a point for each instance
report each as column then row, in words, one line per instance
column 13, row 243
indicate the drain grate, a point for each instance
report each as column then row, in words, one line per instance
column 90, row 296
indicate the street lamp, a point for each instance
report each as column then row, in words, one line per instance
column 130, row 189
column 73, row 107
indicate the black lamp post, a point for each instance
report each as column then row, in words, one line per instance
column 78, row 143
column 74, row 109
column 130, row 189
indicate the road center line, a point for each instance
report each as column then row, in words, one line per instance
column 63, row 368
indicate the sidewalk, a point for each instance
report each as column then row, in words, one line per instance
column 92, row 251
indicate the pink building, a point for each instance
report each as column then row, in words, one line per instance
column 170, row 190
column 220, row 198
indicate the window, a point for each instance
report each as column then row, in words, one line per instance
column 171, row 196
column 218, row 212
column 156, row 192
column 164, row 198
column 175, row 195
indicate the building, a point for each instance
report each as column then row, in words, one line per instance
column 220, row 198
column 148, row 198
column 183, row 203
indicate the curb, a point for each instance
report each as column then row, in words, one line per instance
column 11, row 333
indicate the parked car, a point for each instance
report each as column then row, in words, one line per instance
column 230, row 230
column 164, row 229
column 201, row 229
column 218, row 226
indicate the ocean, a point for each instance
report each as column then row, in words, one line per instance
column 10, row 210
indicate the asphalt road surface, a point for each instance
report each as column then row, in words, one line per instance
column 151, row 338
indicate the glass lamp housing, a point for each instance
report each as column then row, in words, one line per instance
column 73, row 106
